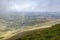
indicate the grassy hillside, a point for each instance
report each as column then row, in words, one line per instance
column 52, row 33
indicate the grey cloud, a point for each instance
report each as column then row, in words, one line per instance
column 44, row 5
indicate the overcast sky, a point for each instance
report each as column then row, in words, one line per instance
column 29, row 5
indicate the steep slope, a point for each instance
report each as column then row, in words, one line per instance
column 52, row 33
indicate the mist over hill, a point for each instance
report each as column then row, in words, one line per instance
column 23, row 19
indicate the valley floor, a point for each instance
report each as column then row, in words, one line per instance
column 21, row 32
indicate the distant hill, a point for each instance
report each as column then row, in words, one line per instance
column 52, row 33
